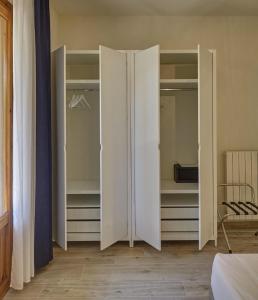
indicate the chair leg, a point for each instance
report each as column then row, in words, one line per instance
column 226, row 237
column 225, row 233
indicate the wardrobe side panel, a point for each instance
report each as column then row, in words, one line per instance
column 206, row 150
column 215, row 145
column 60, row 54
column 114, row 146
column 146, row 146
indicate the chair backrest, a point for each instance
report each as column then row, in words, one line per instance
column 241, row 167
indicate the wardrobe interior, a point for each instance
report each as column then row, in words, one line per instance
column 83, row 145
column 178, row 143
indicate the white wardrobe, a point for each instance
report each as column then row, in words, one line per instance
column 124, row 118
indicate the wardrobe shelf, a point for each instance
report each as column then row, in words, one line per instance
column 83, row 187
column 179, row 56
column 171, row 187
column 74, row 84
column 82, row 57
column 178, row 83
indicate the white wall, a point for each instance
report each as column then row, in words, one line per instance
column 54, row 24
column 236, row 41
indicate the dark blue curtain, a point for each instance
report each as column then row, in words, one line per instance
column 43, row 205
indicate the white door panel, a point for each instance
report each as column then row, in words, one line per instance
column 60, row 57
column 146, row 146
column 114, row 146
column 206, row 150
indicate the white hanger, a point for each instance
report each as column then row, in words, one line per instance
column 79, row 101
column 84, row 102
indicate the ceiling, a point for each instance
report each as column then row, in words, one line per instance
column 157, row 7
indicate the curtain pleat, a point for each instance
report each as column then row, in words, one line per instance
column 24, row 123
column 43, row 201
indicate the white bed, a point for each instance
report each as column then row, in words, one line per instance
column 235, row 277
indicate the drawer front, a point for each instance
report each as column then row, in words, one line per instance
column 180, row 236
column 86, row 237
column 83, row 226
column 180, row 225
column 83, row 214
column 179, row 213
column 83, row 236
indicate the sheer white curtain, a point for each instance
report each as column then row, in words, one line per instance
column 2, row 113
column 24, row 112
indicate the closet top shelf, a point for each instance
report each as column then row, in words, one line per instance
column 73, row 84
column 83, row 187
column 179, row 83
column 75, row 57
column 179, row 57
column 171, row 187
column 82, row 84
column 82, row 57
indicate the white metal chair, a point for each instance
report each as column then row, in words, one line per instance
column 237, row 208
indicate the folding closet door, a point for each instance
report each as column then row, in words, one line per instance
column 206, row 120
column 60, row 57
column 114, row 147
column 146, row 146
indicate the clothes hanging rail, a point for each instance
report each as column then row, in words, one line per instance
column 162, row 89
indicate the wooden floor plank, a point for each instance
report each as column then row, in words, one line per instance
column 179, row 271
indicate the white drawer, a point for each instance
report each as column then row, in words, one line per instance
column 179, row 213
column 180, row 225
column 179, row 236
column 83, row 226
column 83, row 236
column 86, row 237
column 83, row 214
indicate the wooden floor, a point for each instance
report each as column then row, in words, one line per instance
column 180, row 271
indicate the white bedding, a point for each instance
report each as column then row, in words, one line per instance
column 235, row 277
